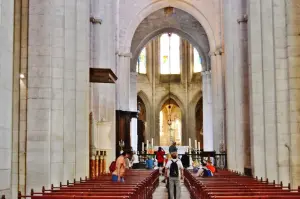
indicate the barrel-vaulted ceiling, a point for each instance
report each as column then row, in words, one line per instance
column 180, row 22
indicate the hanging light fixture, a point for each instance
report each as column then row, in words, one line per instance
column 169, row 106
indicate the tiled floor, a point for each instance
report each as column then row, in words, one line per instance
column 161, row 192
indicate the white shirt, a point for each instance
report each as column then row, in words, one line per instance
column 179, row 164
column 135, row 159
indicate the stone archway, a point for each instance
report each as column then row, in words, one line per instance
column 136, row 49
column 180, row 4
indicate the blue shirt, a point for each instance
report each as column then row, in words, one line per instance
column 149, row 164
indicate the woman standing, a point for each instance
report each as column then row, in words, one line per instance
column 160, row 157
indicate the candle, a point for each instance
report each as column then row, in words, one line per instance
column 143, row 147
column 147, row 146
column 152, row 143
column 196, row 144
column 190, row 143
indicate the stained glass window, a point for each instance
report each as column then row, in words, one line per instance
column 197, row 62
column 141, row 62
column 169, row 50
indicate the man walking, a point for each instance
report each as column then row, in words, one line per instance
column 174, row 170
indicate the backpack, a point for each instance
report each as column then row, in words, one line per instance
column 174, row 171
column 113, row 166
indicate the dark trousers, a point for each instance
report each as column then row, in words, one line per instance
column 135, row 166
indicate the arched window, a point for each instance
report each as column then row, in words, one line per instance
column 169, row 50
column 197, row 62
column 141, row 63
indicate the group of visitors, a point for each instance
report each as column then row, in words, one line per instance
column 171, row 167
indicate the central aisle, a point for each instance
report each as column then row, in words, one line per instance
column 161, row 191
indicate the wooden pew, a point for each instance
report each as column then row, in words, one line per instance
column 137, row 185
column 232, row 185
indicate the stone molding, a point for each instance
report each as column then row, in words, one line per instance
column 124, row 54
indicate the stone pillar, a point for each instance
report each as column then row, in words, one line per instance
column 270, row 92
column 103, row 56
column 292, row 11
column 218, row 98
column 58, row 92
column 123, row 83
column 6, row 93
column 237, row 89
column 133, row 108
column 207, row 112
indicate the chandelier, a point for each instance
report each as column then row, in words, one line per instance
column 169, row 107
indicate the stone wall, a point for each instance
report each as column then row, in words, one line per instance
column 6, row 93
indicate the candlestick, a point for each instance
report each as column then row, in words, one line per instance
column 152, row 142
column 190, row 143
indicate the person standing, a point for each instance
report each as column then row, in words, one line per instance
column 135, row 161
column 160, row 157
column 173, row 148
column 174, row 172
column 185, row 160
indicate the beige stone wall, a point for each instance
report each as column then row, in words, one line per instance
column 6, row 93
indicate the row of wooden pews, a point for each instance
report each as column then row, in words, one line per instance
column 139, row 184
column 226, row 184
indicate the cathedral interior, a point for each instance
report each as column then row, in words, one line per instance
column 84, row 80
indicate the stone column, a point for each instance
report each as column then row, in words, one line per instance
column 207, row 112
column 133, row 108
column 292, row 11
column 237, row 89
column 269, row 94
column 6, row 93
column 123, row 83
column 218, row 98
column 58, row 92
column 103, row 56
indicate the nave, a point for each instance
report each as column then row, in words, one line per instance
column 145, row 184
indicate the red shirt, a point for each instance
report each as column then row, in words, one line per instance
column 160, row 156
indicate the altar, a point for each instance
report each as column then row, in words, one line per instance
column 181, row 149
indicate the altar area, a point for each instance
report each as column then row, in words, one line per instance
column 181, row 149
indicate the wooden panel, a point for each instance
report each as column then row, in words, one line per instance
column 102, row 75
column 123, row 119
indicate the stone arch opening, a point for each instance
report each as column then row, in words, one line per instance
column 154, row 6
column 180, row 105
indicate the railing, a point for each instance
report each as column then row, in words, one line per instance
column 219, row 159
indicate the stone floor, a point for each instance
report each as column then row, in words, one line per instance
column 161, row 191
